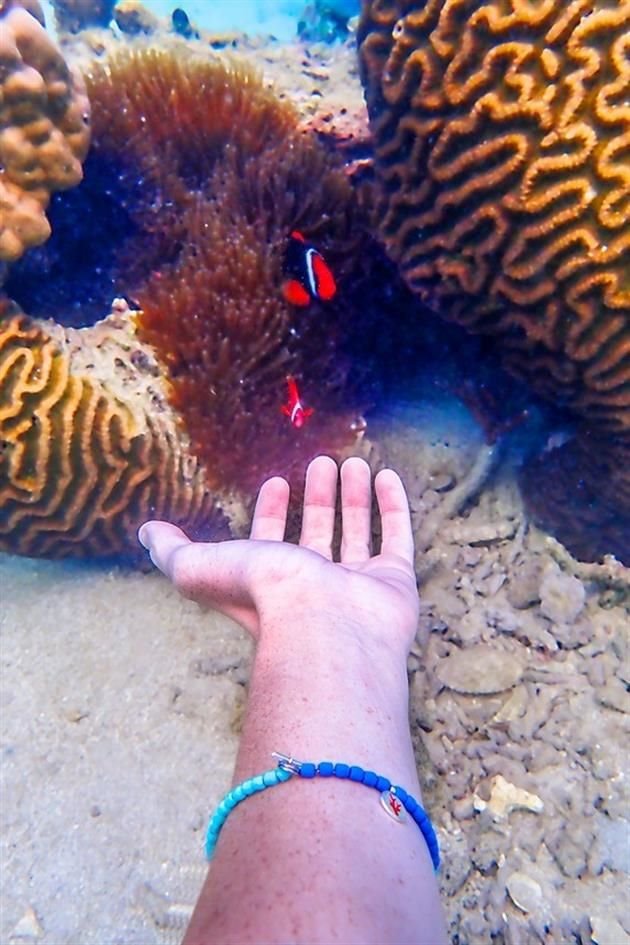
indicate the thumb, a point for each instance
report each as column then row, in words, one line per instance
column 162, row 540
column 210, row 573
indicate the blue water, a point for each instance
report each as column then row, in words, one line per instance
column 278, row 18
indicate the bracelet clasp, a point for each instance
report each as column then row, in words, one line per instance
column 286, row 762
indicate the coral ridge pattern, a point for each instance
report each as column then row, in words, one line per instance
column 80, row 465
column 502, row 154
column 502, row 136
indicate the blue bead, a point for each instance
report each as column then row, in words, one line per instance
column 420, row 817
column 211, row 842
column 325, row 769
column 410, row 804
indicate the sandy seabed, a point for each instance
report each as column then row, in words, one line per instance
column 121, row 705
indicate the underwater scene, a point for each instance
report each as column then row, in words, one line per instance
column 236, row 234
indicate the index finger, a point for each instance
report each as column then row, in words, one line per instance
column 270, row 515
column 397, row 534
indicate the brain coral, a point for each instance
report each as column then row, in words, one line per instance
column 502, row 138
column 83, row 461
column 44, row 126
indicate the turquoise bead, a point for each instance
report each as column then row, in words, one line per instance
column 324, row 769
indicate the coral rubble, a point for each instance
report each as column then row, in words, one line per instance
column 500, row 136
column 519, row 709
column 44, row 126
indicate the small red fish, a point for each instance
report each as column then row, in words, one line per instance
column 294, row 409
column 308, row 274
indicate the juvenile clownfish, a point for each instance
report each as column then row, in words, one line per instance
column 294, row 409
column 308, row 274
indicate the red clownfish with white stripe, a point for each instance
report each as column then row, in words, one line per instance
column 294, row 409
column 308, row 276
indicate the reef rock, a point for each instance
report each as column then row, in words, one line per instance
column 562, row 596
column 524, row 892
column 605, row 930
column 479, row 670
column 44, row 122
column 506, row 797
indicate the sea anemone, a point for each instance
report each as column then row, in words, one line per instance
column 226, row 176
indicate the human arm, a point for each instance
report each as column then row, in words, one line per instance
column 317, row 860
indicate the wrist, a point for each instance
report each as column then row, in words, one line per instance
column 300, row 627
column 324, row 660
column 319, row 702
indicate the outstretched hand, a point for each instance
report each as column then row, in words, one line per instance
column 264, row 581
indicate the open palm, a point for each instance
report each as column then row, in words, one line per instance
column 261, row 577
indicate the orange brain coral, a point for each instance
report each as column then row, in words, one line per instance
column 502, row 138
column 80, row 466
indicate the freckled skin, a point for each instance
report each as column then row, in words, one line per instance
column 316, row 860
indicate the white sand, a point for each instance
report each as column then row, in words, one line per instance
column 117, row 742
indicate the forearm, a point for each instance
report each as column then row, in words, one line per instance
column 320, row 860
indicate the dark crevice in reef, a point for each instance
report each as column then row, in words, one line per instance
column 85, row 263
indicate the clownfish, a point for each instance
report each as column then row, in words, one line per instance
column 294, row 409
column 308, row 274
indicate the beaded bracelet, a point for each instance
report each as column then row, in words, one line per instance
column 394, row 799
